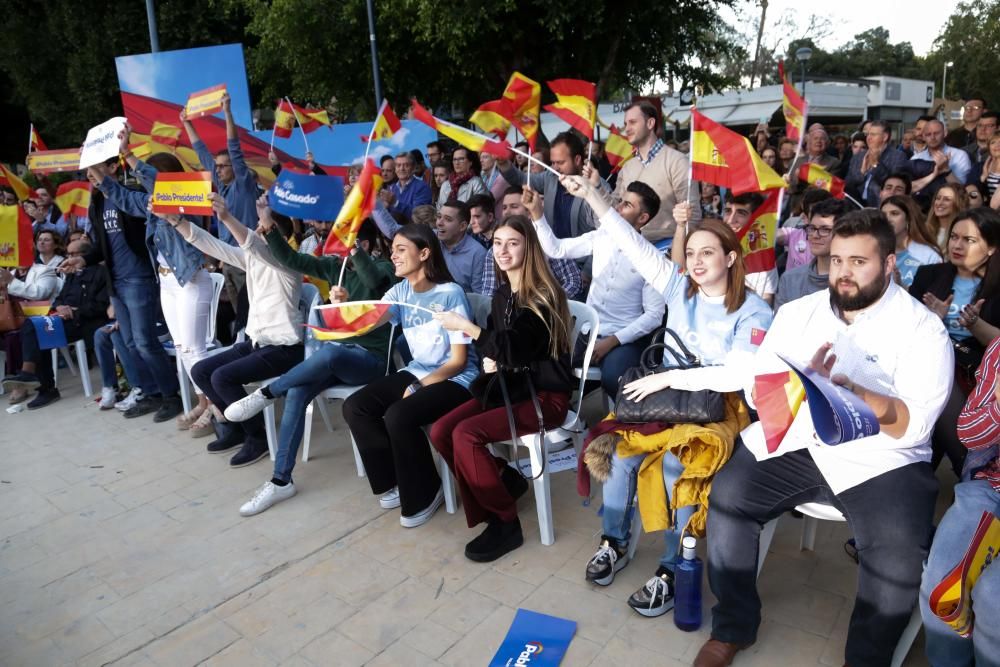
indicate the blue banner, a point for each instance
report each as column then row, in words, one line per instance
column 50, row 332
column 307, row 196
column 534, row 639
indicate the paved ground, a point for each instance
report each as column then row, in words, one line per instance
column 121, row 544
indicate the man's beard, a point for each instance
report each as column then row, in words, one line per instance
column 864, row 297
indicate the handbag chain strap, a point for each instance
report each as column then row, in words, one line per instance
column 513, row 427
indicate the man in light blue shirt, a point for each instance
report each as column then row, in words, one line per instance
column 953, row 163
column 463, row 254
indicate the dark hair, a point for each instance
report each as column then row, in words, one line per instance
column 437, row 145
column 647, row 197
column 483, row 200
column 648, row 110
column 987, row 221
column 513, row 190
column 870, row 222
column 284, row 224
column 571, row 141
column 521, row 144
column 925, row 118
column 435, row 268
column 461, row 207
column 975, row 95
column 165, row 162
column 813, row 196
column 901, row 176
column 223, row 152
column 417, row 157
column 990, row 114
column 916, row 221
column 386, row 157
column 981, row 188
column 829, row 208
column 753, row 199
column 857, row 136
column 368, row 231
column 57, row 242
column 883, row 124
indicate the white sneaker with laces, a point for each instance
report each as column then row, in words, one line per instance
column 390, row 499
column 107, row 398
column 247, row 407
column 267, row 495
column 424, row 515
column 129, row 401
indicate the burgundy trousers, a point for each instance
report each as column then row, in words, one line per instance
column 462, row 437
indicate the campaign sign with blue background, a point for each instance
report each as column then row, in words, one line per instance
column 49, row 331
column 307, row 196
column 534, row 639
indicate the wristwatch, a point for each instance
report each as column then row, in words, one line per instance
column 415, row 387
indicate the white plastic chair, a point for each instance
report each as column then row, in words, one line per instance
column 185, row 385
column 80, row 348
column 812, row 514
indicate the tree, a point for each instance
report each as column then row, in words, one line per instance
column 970, row 40
column 869, row 54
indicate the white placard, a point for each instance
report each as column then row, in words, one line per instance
column 102, row 142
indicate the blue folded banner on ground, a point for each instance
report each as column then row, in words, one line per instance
column 307, row 196
column 534, row 639
column 49, row 331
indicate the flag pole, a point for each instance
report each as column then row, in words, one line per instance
column 855, row 201
column 694, row 107
column 372, row 133
column 31, row 136
column 299, row 121
column 273, row 128
column 531, row 159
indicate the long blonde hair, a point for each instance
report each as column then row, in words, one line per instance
column 935, row 225
column 539, row 291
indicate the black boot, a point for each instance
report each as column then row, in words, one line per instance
column 498, row 539
column 230, row 437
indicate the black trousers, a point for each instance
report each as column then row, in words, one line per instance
column 388, row 431
column 32, row 353
column 890, row 516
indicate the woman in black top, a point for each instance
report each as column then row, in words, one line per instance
column 527, row 337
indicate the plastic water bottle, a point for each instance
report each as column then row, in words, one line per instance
column 687, row 587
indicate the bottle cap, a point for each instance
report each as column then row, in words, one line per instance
column 689, row 544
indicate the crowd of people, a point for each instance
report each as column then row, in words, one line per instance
column 897, row 302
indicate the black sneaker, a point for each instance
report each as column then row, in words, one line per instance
column 250, row 453
column 514, row 482
column 498, row 539
column 656, row 597
column 26, row 381
column 143, row 406
column 610, row 557
column 230, row 437
column 43, row 398
column 170, row 407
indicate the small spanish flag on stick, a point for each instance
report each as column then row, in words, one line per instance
column 359, row 205
column 349, row 319
column 778, row 397
column 386, row 124
column 617, row 149
column 725, row 158
column 818, row 177
column 35, row 142
column 493, row 117
column 468, row 138
column 575, row 104
column 524, row 96
column 74, row 197
column 794, row 107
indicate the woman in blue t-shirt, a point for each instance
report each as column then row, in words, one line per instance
column 915, row 245
column 964, row 292
column 722, row 323
column 387, row 416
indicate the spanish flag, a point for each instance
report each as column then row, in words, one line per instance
column 166, row 134
column 576, row 103
column 386, row 124
column 359, row 205
column 35, row 141
column 284, row 120
column 794, row 107
column 74, row 197
column 311, row 119
column 818, row 177
column 727, row 159
column 471, row 140
column 524, row 96
column 757, row 237
column 951, row 600
column 349, row 319
column 778, row 397
column 493, row 117
column 617, row 149
column 16, row 247
column 9, row 179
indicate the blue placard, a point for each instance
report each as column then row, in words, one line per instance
column 534, row 639
column 49, row 331
column 307, row 196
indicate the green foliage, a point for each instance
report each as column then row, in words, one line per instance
column 870, row 53
column 971, row 40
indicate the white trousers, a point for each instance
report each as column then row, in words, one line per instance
column 187, row 311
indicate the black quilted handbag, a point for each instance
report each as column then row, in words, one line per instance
column 671, row 406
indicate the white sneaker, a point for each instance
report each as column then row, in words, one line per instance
column 267, row 495
column 390, row 499
column 107, row 398
column 247, row 407
column 129, row 401
column 423, row 516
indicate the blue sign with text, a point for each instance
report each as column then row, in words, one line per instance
column 534, row 639
column 307, row 196
column 49, row 331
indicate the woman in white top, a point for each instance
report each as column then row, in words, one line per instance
column 49, row 249
column 464, row 181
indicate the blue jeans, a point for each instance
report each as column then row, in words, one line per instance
column 105, row 345
column 122, row 343
column 617, row 361
column 619, row 503
column 331, row 364
column 136, row 308
column 944, row 647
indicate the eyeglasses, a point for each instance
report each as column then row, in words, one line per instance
column 821, row 232
column 459, row 159
column 223, row 165
column 973, row 107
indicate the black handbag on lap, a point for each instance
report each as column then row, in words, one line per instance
column 671, row 406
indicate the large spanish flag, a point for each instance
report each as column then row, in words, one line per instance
column 524, row 96
column 74, row 197
column 576, row 103
column 617, row 149
column 493, row 117
column 35, row 141
column 727, row 159
column 9, row 179
column 165, row 133
column 793, row 106
column 818, row 177
column 386, row 124
column 778, row 397
column 349, row 319
column 952, row 599
column 284, row 120
column 757, row 237
column 471, row 140
column 16, row 247
column 359, row 205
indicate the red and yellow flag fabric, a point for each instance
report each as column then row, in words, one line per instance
column 758, row 236
column 778, row 397
column 793, row 106
column 165, row 133
column 10, row 180
column 524, row 96
column 359, row 205
column 464, row 137
column 727, row 159
column 818, row 177
column 312, row 119
column 16, row 247
column 205, row 102
column 386, row 124
column 346, row 320
column 493, row 117
column 36, row 143
column 284, row 120
column 73, row 197
column 617, row 149
column 951, row 600
column 576, row 103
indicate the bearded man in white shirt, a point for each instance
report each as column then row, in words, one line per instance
column 869, row 336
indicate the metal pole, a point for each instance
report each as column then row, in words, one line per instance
column 803, row 78
column 154, row 40
column 371, row 38
column 944, row 82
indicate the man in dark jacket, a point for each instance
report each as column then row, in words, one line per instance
column 870, row 167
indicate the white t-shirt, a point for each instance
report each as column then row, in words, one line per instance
column 763, row 282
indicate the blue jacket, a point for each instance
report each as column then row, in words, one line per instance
column 241, row 193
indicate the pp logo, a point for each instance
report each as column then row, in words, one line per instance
column 289, row 185
column 531, row 649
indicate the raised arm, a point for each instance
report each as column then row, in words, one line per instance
column 130, row 202
column 555, row 248
column 297, row 261
column 384, row 220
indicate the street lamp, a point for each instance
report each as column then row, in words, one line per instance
column 802, row 55
column 944, row 80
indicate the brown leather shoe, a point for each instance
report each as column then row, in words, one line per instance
column 717, row 654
